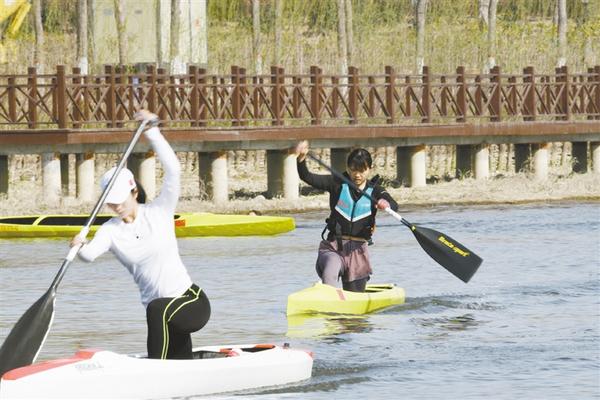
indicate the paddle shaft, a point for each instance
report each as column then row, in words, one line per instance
column 86, row 228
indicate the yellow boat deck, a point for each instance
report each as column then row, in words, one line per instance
column 322, row 298
column 186, row 225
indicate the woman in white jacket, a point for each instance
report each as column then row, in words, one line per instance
column 142, row 237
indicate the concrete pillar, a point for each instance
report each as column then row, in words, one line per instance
column 291, row 180
column 143, row 166
column 464, row 154
column 64, row 174
column 403, row 165
column 51, row 177
column 84, row 176
column 282, row 174
column 540, row 160
column 482, row 161
column 418, row 166
column 3, row 174
column 580, row 159
column 522, row 156
column 212, row 168
column 594, row 149
column 339, row 158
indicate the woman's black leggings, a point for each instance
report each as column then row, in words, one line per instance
column 172, row 319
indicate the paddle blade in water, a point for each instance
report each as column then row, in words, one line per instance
column 450, row 254
column 23, row 343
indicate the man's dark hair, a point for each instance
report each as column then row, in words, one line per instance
column 359, row 160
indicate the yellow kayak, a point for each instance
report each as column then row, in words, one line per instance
column 186, row 225
column 322, row 298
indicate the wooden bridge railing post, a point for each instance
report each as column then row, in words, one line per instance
column 235, row 95
column 529, row 103
column 276, row 95
column 151, row 71
column 243, row 83
column 353, row 83
column 119, row 94
column 109, row 70
column 32, row 98
column 596, row 92
column 566, row 91
column 316, row 80
column 426, row 93
column 194, row 95
column 390, row 90
column 496, row 97
column 444, row 100
column 296, row 98
column 77, row 98
column 512, row 97
column 407, row 96
column 461, row 95
column 61, row 95
column 161, row 91
column 12, row 99
column 202, row 96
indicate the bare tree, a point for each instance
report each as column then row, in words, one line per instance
column 256, row 37
column 121, row 32
column 349, row 32
column 38, row 58
column 278, row 19
column 420, row 13
column 342, row 43
column 91, row 6
column 491, row 36
column 484, row 6
column 159, row 31
column 82, row 36
column 588, row 54
column 177, row 63
column 562, row 33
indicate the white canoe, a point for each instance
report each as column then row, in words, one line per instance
column 104, row 374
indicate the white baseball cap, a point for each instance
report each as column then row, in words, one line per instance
column 124, row 184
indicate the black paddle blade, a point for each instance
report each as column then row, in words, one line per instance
column 24, row 342
column 450, row 254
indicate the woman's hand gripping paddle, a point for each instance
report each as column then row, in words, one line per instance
column 450, row 254
column 24, row 342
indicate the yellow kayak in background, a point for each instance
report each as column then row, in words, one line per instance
column 186, row 225
column 322, row 298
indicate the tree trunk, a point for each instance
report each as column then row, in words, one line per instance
column 562, row 33
column 349, row 32
column 38, row 57
column 159, row 32
column 484, row 6
column 342, row 43
column 82, row 36
column 91, row 6
column 588, row 54
column 491, row 37
column 256, row 37
column 121, row 33
column 420, row 12
column 177, row 63
column 278, row 20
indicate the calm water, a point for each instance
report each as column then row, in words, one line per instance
column 527, row 325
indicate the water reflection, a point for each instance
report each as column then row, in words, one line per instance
column 327, row 326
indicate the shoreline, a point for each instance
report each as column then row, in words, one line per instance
column 513, row 189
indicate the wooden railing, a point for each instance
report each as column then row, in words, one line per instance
column 197, row 99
